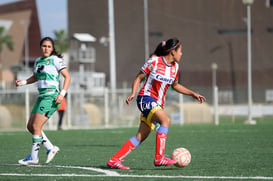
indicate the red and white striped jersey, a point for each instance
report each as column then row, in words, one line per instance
column 159, row 76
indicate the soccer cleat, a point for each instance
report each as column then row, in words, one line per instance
column 28, row 161
column 164, row 161
column 116, row 164
column 51, row 153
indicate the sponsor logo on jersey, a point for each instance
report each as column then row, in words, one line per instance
column 42, row 108
column 40, row 68
column 164, row 79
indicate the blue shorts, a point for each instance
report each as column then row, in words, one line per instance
column 148, row 106
column 145, row 104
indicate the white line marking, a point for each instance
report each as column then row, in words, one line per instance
column 139, row 176
column 108, row 173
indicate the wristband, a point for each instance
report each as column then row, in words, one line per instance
column 63, row 92
column 22, row 82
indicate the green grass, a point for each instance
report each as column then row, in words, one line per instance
column 231, row 149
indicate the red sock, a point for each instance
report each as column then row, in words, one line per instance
column 124, row 150
column 160, row 145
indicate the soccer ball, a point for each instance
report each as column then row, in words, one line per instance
column 183, row 157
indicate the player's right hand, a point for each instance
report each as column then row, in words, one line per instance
column 20, row 82
column 129, row 98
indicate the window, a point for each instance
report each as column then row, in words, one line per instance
column 87, row 53
column 269, row 3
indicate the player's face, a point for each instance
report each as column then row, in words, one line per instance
column 178, row 54
column 46, row 48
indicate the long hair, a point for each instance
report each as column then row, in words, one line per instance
column 54, row 52
column 165, row 47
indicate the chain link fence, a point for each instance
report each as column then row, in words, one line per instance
column 85, row 109
column 102, row 108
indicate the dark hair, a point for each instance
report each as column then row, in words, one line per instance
column 164, row 48
column 159, row 49
column 54, row 52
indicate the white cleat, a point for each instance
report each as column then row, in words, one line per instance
column 28, row 161
column 51, row 153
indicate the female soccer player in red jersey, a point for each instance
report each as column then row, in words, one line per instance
column 161, row 71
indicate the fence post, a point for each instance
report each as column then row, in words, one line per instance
column 106, row 106
column 68, row 110
column 181, row 109
column 216, row 112
column 27, row 104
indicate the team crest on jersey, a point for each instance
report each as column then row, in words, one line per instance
column 150, row 67
column 160, row 69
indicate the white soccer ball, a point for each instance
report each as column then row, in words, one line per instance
column 183, row 157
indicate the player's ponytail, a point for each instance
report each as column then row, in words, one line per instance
column 159, row 49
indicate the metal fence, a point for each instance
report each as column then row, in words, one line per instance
column 85, row 109
column 100, row 108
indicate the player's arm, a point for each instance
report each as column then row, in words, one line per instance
column 30, row 80
column 183, row 90
column 67, row 78
column 135, row 86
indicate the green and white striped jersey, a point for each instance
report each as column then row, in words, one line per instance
column 47, row 72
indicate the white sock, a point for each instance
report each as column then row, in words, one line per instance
column 36, row 142
column 46, row 142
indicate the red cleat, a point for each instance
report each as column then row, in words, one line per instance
column 116, row 164
column 164, row 161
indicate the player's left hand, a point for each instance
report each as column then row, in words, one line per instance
column 59, row 99
column 200, row 98
column 129, row 98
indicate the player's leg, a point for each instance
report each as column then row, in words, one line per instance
column 37, row 137
column 46, row 142
column 61, row 114
column 130, row 145
column 35, row 125
column 52, row 150
column 161, row 136
column 41, row 111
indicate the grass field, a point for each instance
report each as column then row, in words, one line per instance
column 230, row 151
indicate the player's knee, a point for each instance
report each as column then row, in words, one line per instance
column 36, row 128
column 166, row 122
column 30, row 128
column 142, row 136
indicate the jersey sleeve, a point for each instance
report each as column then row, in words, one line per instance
column 148, row 66
column 177, row 76
column 59, row 63
column 177, row 73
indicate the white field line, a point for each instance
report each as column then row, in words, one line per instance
column 139, row 176
column 108, row 173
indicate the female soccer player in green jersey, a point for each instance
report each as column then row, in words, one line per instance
column 47, row 69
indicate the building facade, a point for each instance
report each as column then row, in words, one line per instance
column 211, row 31
column 25, row 33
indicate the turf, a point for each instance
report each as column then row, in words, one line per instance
column 230, row 151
